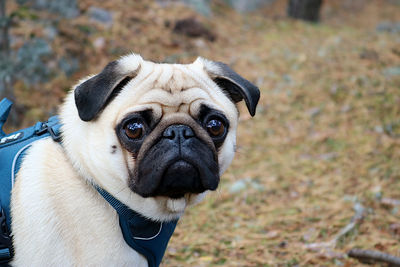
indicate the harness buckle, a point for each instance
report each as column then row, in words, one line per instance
column 55, row 136
column 43, row 127
column 40, row 128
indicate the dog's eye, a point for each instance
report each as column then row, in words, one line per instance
column 134, row 129
column 215, row 127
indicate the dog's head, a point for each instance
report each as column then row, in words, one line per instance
column 156, row 136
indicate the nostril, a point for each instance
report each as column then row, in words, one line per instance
column 188, row 133
column 178, row 132
column 169, row 133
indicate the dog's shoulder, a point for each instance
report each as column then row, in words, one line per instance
column 42, row 157
column 43, row 165
column 31, row 198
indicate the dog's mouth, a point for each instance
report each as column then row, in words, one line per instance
column 177, row 179
column 180, row 178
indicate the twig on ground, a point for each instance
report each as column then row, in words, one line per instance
column 372, row 256
column 326, row 249
column 356, row 220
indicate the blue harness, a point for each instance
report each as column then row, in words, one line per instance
column 147, row 237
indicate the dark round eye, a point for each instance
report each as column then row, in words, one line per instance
column 215, row 128
column 134, row 129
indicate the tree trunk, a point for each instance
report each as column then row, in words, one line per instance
column 304, row 9
column 4, row 42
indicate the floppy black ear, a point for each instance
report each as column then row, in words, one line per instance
column 234, row 85
column 95, row 93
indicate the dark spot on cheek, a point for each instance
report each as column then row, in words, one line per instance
column 113, row 149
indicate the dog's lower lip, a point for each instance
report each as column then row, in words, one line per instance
column 179, row 178
column 177, row 195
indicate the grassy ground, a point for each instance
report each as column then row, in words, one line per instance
column 323, row 146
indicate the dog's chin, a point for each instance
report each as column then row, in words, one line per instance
column 177, row 206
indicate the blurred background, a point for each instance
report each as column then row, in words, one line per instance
column 317, row 171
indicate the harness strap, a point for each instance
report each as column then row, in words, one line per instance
column 6, row 251
column 5, row 107
column 147, row 237
column 12, row 149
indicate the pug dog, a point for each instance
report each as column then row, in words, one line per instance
column 157, row 137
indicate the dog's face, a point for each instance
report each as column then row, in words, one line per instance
column 156, row 136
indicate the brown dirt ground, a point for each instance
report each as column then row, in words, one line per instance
column 325, row 137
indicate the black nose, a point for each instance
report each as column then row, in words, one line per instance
column 178, row 132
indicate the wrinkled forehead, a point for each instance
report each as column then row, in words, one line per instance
column 168, row 88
